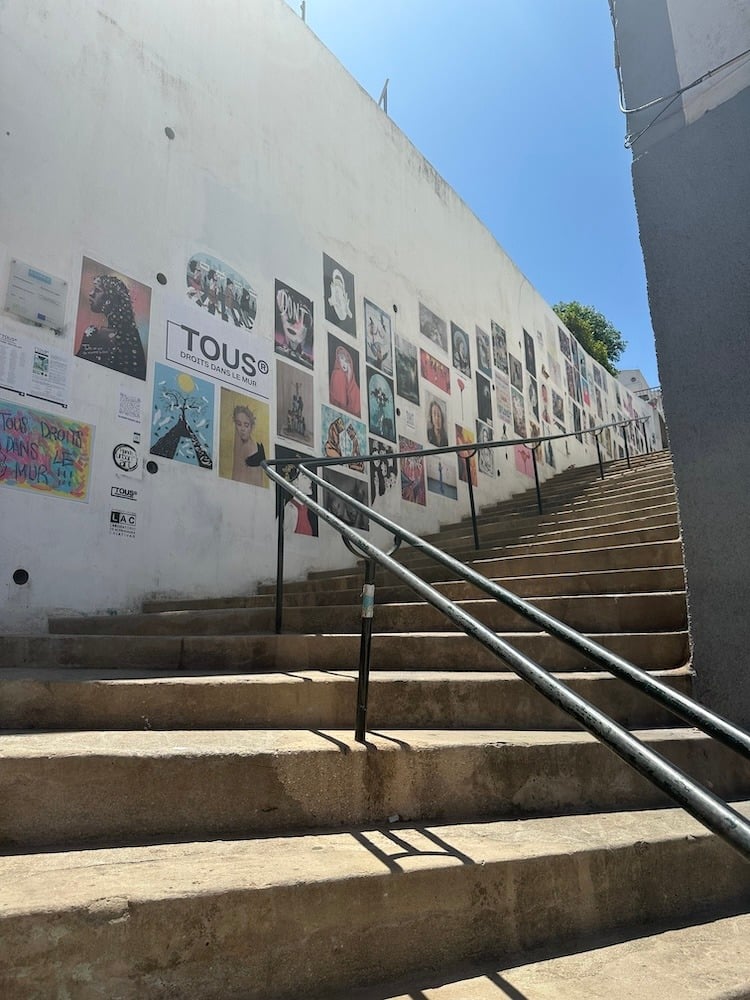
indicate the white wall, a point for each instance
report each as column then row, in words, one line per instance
column 278, row 157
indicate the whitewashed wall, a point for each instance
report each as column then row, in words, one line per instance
column 278, row 158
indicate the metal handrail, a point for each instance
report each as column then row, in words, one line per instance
column 702, row 804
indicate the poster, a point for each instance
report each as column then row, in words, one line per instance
column 484, row 357
column 432, row 327
column 484, row 399
column 485, row 456
column 343, row 436
column 441, row 476
column 524, row 460
column 519, row 415
column 129, row 406
column 383, row 472
column 182, row 419
column 435, row 371
column 220, row 291
column 31, row 367
column 338, row 293
column 412, row 473
column 343, row 376
column 460, row 350
column 437, row 421
column 112, row 324
column 243, row 439
column 298, row 518
column 378, row 338
column 293, row 325
column 466, row 436
column 294, row 404
column 382, row 412
column 530, row 353
column 407, row 380
column 502, row 399
column 229, row 354
column 356, row 489
column 499, row 348
column 45, row 453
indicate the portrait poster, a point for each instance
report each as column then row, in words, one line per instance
column 338, row 293
column 44, row 453
column 413, row 488
column 182, row 417
column 432, row 327
column 344, row 511
column 502, row 399
column 244, row 438
column 484, row 353
column 585, row 391
column 407, row 378
column 524, row 460
column 383, row 472
column 548, row 448
column 294, row 330
column 343, row 376
column 343, row 437
column 220, row 291
column 519, row 415
column 378, row 338
column 382, row 410
column 499, row 347
column 533, row 396
column 558, row 408
column 484, row 399
column 298, row 519
column 516, row 372
column 460, row 350
column 570, row 378
column 597, row 375
column 295, row 418
column 576, row 413
column 485, row 456
column 545, row 404
column 530, row 353
column 436, row 421
column 564, row 342
column 598, row 397
column 466, row 436
column 112, row 324
column 441, row 476
column 435, row 371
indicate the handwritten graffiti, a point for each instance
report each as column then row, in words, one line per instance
column 43, row 452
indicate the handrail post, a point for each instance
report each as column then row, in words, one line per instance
column 536, row 481
column 474, row 527
column 365, row 645
column 599, row 456
column 280, row 508
column 627, row 448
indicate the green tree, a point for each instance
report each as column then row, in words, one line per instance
column 594, row 333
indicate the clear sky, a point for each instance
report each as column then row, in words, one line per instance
column 514, row 102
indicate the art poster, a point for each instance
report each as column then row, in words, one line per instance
column 499, row 348
column 485, row 456
column 220, row 291
column 298, row 519
column 599, row 407
column 516, row 373
column 338, row 292
column 545, row 404
column 413, row 488
column 378, row 338
column 585, row 391
column 407, row 378
column 441, row 476
column 294, row 330
column 530, row 353
column 484, row 399
column 45, row 453
column 533, row 396
column 597, row 375
column 558, row 407
column 519, row 414
column 344, row 511
column 502, row 399
column 383, row 471
column 294, row 404
column 343, row 437
column 556, row 371
column 182, row 418
column 460, row 350
column 112, row 325
column 434, row 371
column 343, row 376
column 576, row 421
column 570, row 378
column 244, row 439
column 484, row 354
column 564, row 341
column 524, row 460
column 437, row 421
column 548, row 449
column 466, row 436
column 382, row 411
column 432, row 327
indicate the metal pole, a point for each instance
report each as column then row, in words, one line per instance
column 627, row 449
column 365, row 644
column 280, row 506
column 536, row 480
column 599, row 455
column 474, row 528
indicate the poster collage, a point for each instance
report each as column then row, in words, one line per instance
column 222, row 388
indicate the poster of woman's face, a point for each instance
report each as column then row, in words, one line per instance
column 220, row 291
column 519, row 416
column 432, row 327
column 499, row 347
column 465, row 436
column 530, row 352
column 294, row 404
column 243, row 438
column 516, row 373
column 412, row 473
column 344, row 511
column 484, row 357
column 558, row 410
column 343, row 376
column 437, row 421
column 407, row 379
column 378, row 340
column 298, row 519
column 293, row 326
column 112, row 324
column 338, row 294
column 435, row 371
column 485, row 456
column 460, row 350
column 381, row 407
column 484, row 399
column 533, row 393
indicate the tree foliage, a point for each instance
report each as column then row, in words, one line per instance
column 594, row 333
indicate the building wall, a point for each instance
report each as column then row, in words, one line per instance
column 691, row 184
column 146, row 139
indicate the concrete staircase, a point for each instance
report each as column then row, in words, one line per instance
column 185, row 812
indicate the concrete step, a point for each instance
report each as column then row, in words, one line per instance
column 293, row 652
column 140, row 787
column 59, row 698
column 557, row 496
column 699, row 961
column 656, row 612
column 308, row 916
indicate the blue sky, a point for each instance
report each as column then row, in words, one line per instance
column 515, row 104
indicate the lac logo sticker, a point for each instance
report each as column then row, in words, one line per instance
column 125, row 457
column 122, row 523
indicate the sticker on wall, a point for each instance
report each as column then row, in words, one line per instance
column 499, row 348
column 243, row 439
column 127, row 460
column 434, row 371
column 378, row 339
column 238, row 358
column 484, row 399
column 112, row 324
column 466, row 436
column 519, row 415
column 485, row 456
column 413, row 488
column 182, row 421
column 343, row 437
column 407, row 380
column 383, row 472
column 516, row 372
column 122, row 523
column 293, row 326
column 382, row 412
column 460, row 350
column 45, row 453
column 433, row 327
column 484, row 357
column 338, row 292
column 129, row 406
column 437, row 421
column 294, row 404
column 298, row 518
column 343, row 376
column 123, row 493
column 442, row 477
column 221, row 291
column 356, row 489
column 529, row 353
column 502, row 399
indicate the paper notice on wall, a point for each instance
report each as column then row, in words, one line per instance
column 32, row 368
column 13, row 365
column 130, row 405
